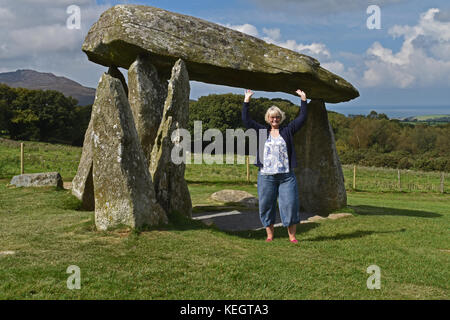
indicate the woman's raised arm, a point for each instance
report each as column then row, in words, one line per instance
column 298, row 122
column 248, row 121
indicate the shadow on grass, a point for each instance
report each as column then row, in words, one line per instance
column 279, row 232
column 384, row 211
column 352, row 235
column 221, row 182
column 179, row 222
column 227, row 206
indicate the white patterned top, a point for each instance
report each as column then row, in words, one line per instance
column 276, row 158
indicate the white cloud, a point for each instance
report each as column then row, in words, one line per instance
column 245, row 28
column 41, row 39
column 320, row 7
column 34, row 35
column 423, row 59
column 6, row 16
column 273, row 34
column 317, row 50
column 334, row 66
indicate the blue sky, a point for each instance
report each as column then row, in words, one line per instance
column 405, row 63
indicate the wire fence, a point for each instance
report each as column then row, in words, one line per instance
column 388, row 180
column 44, row 157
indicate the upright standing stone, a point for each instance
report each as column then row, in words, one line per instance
column 170, row 187
column 82, row 184
column 123, row 188
column 147, row 93
column 319, row 175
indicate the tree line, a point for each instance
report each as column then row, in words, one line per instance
column 40, row 115
column 372, row 140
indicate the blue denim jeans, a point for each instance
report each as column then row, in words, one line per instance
column 281, row 186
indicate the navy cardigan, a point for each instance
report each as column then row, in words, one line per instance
column 286, row 131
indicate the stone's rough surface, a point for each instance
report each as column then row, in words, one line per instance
column 114, row 72
column 45, row 179
column 236, row 196
column 170, row 187
column 82, row 184
column 319, row 173
column 213, row 53
column 147, row 93
column 123, row 187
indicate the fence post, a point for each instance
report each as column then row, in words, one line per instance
column 248, row 168
column 21, row 159
column 354, row 177
column 442, row 182
column 399, row 180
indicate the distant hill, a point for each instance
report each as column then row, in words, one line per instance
column 428, row 118
column 31, row 79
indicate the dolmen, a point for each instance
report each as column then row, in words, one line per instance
column 125, row 173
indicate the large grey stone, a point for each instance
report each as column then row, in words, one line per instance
column 123, row 188
column 319, row 173
column 82, row 184
column 44, row 179
column 171, row 189
column 147, row 94
column 213, row 53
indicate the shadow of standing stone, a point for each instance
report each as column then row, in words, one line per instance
column 319, row 173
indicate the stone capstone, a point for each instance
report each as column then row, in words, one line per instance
column 147, row 94
column 44, row 179
column 235, row 196
column 212, row 53
column 123, row 188
column 319, row 173
column 82, row 183
column 171, row 189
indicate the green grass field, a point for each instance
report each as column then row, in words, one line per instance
column 404, row 233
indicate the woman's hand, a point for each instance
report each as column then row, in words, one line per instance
column 248, row 95
column 302, row 94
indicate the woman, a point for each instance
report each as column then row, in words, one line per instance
column 276, row 178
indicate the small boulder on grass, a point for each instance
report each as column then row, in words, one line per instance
column 332, row 216
column 335, row 216
column 44, row 179
column 235, row 196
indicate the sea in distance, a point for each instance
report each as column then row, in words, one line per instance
column 393, row 112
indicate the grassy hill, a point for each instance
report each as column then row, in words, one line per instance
column 429, row 118
column 31, row 79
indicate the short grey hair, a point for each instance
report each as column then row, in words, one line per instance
column 274, row 110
